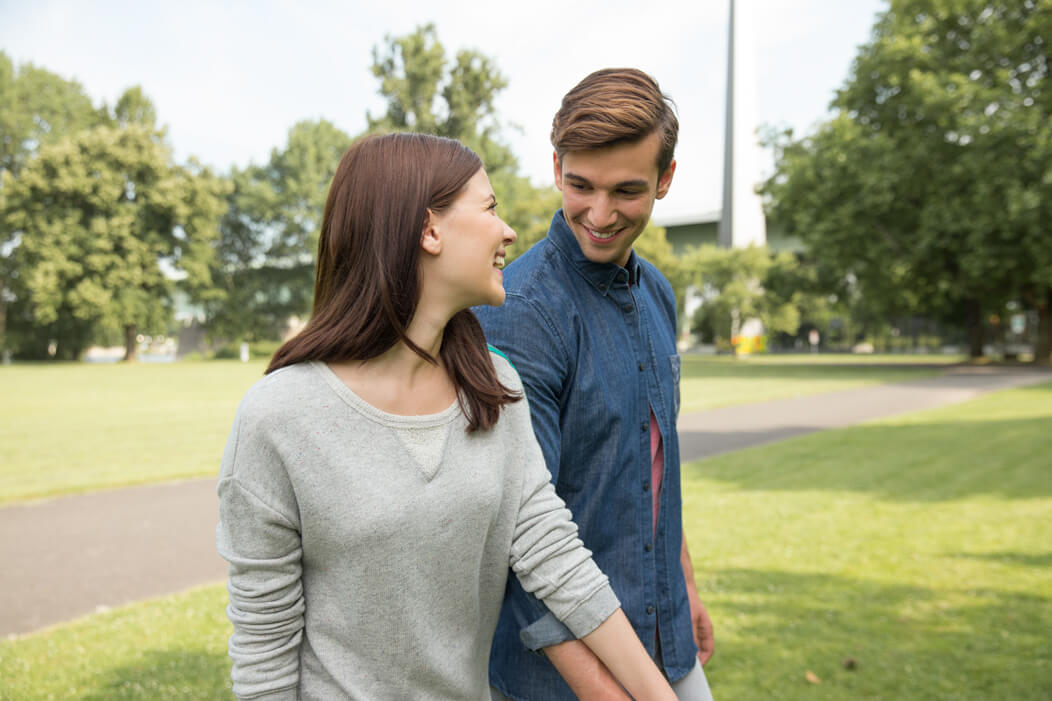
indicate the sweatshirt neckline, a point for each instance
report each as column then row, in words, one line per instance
column 378, row 415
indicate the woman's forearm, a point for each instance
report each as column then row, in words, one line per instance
column 616, row 644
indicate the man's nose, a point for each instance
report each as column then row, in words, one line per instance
column 603, row 214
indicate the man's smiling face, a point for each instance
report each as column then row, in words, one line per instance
column 608, row 195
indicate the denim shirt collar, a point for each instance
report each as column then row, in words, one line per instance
column 602, row 276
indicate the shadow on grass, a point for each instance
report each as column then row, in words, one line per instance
column 917, row 462
column 864, row 639
column 165, row 674
column 1009, row 558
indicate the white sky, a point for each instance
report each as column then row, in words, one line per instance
column 230, row 78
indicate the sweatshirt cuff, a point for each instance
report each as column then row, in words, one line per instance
column 291, row 694
column 549, row 630
column 593, row 611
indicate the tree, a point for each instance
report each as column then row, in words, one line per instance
column 36, row 108
column 931, row 187
column 425, row 93
column 104, row 219
column 264, row 269
column 732, row 280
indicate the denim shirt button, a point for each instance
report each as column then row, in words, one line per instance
column 642, row 367
column 627, row 308
column 650, row 610
column 646, row 486
column 648, row 547
column 602, row 287
column 644, row 426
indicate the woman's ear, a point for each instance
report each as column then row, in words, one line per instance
column 430, row 237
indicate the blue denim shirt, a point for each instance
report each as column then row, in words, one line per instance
column 595, row 355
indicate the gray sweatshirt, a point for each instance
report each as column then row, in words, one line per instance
column 369, row 552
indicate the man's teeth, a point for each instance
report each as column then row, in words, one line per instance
column 603, row 235
column 499, row 261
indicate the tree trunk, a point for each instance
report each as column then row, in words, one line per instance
column 129, row 343
column 973, row 321
column 1043, row 347
column 3, row 322
column 736, row 326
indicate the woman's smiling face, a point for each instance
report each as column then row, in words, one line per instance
column 474, row 241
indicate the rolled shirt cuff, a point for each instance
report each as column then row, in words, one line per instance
column 549, row 630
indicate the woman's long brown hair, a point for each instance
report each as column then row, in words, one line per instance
column 367, row 282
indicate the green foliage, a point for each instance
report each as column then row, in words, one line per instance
column 743, row 283
column 265, row 265
column 37, row 107
column 930, row 188
column 99, row 216
column 427, row 93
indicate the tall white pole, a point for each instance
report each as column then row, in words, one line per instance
column 742, row 221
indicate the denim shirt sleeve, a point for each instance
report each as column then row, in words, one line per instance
column 534, row 346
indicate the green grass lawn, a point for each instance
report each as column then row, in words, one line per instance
column 919, row 549
column 173, row 648
column 713, row 381
column 73, row 427
column 76, row 427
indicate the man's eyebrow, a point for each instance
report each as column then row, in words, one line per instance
column 627, row 183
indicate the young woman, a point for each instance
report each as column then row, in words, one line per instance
column 381, row 478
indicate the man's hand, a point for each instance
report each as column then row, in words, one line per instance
column 702, row 627
column 700, row 622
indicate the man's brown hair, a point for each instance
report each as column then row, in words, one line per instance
column 615, row 106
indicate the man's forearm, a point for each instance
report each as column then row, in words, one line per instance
column 687, row 566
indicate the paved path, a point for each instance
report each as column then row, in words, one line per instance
column 67, row 557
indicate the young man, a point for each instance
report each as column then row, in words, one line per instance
column 591, row 328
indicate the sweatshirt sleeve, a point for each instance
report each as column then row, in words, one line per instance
column 548, row 558
column 258, row 534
